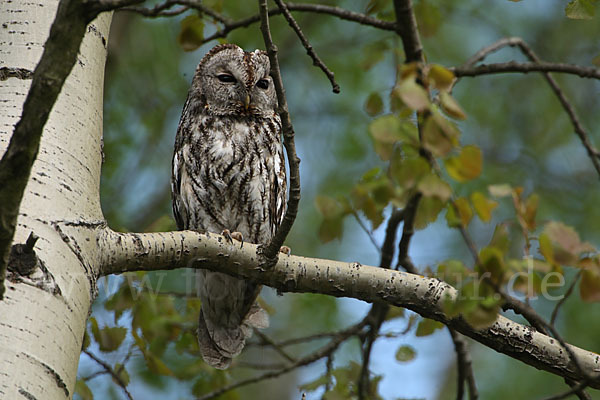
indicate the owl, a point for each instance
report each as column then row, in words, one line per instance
column 229, row 176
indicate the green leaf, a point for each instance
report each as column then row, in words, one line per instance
column 86, row 341
column 435, row 139
column 407, row 172
column 427, row 211
column 500, row 239
column 374, row 104
column 483, row 206
column 459, row 213
column 405, row 353
column 328, row 206
column 596, row 60
column 580, row 9
column 315, row 384
column 122, row 373
column 110, row 338
column 492, row 263
column 530, row 211
column 83, row 390
column 332, row 225
column 429, row 18
column 192, row 33
column 451, row 107
column 467, row 165
column 394, row 312
column 427, row 326
column 453, row 272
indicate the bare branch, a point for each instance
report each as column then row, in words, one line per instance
column 110, row 371
column 575, row 389
column 513, row 66
column 593, row 153
column 272, row 249
column 229, row 25
column 323, row 352
column 279, row 349
column 465, row 368
column 406, row 28
column 309, row 49
column 564, row 298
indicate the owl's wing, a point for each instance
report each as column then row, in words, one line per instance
column 179, row 161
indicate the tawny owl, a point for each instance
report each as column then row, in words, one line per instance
column 229, row 174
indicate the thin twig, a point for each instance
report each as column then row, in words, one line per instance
column 271, row 250
column 110, row 371
column 408, row 231
column 564, row 298
column 593, row 153
column 229, row 25
column 367, row 231
column 324, row 351
column 274, row 345
column 465, row 368
column 309, row 49
column 378, row 312
column 575, row 389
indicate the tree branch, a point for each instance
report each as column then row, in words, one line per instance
column 271, row 250
column 465, row 370
column 324, row 351
column 514, row 66
column 229, row 25
column 309, row 49
column 593, row 153
column 125, row 252
column 107, row 368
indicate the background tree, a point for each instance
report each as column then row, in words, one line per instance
column 144, row 323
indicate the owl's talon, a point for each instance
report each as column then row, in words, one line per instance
column 285, row 250
column 229, row 236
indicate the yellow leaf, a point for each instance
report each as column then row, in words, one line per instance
column 441, row 77
column 435, row 140
column 451, row 107
column 483, row 206
column 412, row 94
column 466, row 166
column 432, row 185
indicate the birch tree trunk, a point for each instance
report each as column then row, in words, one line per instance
column 43, row 315
column 44, row 310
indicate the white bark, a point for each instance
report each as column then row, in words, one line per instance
column 168, row 250
column 41, row 332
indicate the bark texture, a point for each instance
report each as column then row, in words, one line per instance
column 43, row 314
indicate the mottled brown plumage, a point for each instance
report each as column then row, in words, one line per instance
column 229, row 173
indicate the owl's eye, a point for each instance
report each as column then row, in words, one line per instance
column 227, row 78
column 263, row 84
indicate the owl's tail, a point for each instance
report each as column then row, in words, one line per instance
column 219, row 344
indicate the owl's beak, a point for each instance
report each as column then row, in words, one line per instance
column 247, row 102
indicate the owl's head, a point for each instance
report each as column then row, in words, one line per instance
column 231, row 81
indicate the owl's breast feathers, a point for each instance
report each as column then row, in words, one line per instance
column 230, row 174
